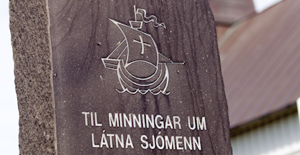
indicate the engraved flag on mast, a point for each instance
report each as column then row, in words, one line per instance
column 139, row 65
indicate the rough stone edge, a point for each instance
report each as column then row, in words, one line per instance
column 51, row 78
column 30, row 38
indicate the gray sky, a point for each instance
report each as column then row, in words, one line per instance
column 8, row 106
column 261, row 5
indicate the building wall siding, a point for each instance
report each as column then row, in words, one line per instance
column 280, row 137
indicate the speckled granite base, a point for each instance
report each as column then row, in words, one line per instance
column 31, row 53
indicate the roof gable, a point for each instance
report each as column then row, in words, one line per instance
column 260, row 63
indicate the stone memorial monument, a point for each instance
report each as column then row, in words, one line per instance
column 134, row 77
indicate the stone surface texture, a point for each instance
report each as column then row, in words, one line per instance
column 31, row 54
column 82, row 34
column 58, row 79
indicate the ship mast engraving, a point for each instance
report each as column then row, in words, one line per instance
column 137, row 60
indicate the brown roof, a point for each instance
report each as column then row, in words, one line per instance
column 261, row 63
column 229, row 11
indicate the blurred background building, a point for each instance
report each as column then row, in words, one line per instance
column 259, row 42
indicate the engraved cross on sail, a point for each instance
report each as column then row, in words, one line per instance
column 139, row 65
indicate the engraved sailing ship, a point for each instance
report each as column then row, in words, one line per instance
column 140, row 67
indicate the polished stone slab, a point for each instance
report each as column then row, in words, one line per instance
column 124, row 77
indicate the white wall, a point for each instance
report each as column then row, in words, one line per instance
column 281, row 137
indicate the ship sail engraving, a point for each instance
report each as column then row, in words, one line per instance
column 140, row 67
